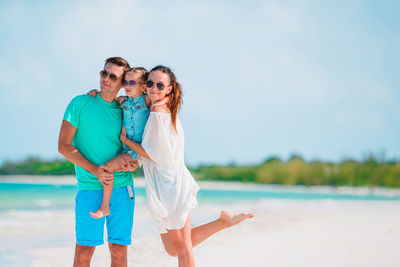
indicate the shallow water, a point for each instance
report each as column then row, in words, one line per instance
column 19, row 196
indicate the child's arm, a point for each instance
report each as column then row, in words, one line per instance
column 92, row 92
column 159, row 103
column 133, row 145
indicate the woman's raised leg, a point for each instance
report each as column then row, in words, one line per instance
column 202, row 232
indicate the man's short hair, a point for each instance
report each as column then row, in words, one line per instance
column 119, row 61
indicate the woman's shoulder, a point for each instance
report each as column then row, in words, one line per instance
column 161, row 109
column 163, row 121
column 160, row 115
column 159, row 119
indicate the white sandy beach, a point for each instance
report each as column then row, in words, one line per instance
column 283, row 233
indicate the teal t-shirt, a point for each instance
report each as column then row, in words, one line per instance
column 98, row 127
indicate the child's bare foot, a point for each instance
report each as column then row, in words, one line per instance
column 100, row 213
column 229, row 219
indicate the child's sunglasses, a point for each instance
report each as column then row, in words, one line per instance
column 104, row 74
column 131, row 83
column 160, row 86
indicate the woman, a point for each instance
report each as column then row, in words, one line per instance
column 170, row 188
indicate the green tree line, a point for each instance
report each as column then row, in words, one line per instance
column 295, row 171
column 37, row 166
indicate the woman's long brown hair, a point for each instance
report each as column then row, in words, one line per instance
column 175, row 96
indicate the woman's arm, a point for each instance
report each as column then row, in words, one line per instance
column 133, row 145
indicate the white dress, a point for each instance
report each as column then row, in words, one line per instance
column 171, row 189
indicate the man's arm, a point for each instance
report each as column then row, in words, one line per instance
column 65, row 148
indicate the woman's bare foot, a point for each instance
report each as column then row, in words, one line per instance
column 229, row 219
column 100, row 213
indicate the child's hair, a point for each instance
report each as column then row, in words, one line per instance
column 144, row 74
column 175, row 96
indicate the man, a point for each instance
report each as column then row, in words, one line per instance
column 89, row 137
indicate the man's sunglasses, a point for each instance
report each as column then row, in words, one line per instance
column 104, row 74
column 131, row 83
column 160, row 86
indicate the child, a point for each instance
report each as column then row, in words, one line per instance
column 135, row 108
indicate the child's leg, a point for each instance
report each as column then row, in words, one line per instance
column 115, row 164
column 118, row 162
column 104, row 209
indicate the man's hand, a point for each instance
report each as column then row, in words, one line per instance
column 134, row 164
column 104, row 174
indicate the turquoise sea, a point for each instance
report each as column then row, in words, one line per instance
column 49, row 196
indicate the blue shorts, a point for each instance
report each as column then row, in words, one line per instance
column 90, row 231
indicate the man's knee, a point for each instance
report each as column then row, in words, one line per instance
column 118, row 251
column 83, row 254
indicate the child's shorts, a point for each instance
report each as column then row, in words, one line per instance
column 90, row 231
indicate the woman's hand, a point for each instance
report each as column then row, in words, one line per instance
column 129, row 166
column 123, row 135
column 93, row 92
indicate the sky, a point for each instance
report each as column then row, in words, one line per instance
column 260, row 78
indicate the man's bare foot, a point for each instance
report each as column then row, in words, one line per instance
column 229, row 219
column 100, row 213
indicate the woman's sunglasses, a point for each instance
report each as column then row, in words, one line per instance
column 104, row 74
column 160, row 86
